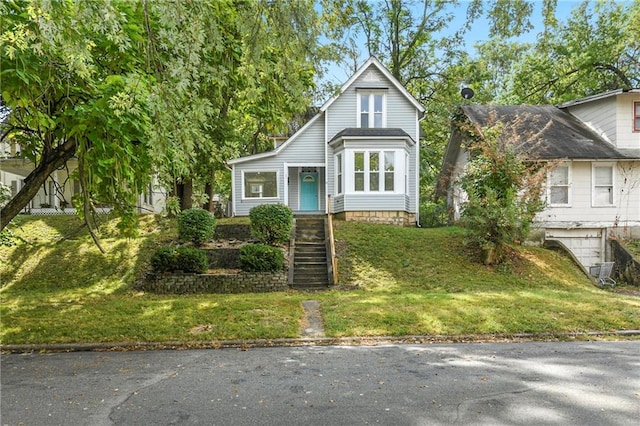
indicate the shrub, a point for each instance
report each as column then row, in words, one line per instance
column 186, row 259
column 196, row 225
column 271, row 223
column 261, row 258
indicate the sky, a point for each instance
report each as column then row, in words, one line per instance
column 479, row 32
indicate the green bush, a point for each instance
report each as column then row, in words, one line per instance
column 271, row 223
column 186, row 259
column 196, row 225
column 261, row 258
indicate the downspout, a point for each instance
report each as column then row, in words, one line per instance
column 326, row 163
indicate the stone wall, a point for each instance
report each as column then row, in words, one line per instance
column 243, row 282
column 627, row 266
column 228, row 258
column 398, row 218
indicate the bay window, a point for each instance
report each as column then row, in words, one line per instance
column 339, row 174
column 373, row 171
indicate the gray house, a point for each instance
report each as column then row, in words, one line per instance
column 593, row 190
column 358, row 157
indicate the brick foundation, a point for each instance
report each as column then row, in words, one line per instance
column 397, row 218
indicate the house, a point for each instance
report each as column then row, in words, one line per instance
column 55, row 196
column 360, row 151
column 593, row 187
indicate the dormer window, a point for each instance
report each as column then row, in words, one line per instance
column 371, row 107
column 636, row 116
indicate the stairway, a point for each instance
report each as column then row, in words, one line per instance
column 310, row 254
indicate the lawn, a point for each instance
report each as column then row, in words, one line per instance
column 58, row 288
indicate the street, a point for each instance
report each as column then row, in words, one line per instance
column 541, row 383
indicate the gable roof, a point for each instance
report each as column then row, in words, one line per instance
column 372, row 61
column 548, row 132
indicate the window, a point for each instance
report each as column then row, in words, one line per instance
column 602, row 185
column 358, row 171
column 374, row 171
column 339, row 173
column 559, row 186
column 260, row 184
column 636, row 116
column 371, row 109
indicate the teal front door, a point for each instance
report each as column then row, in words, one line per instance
column 309, row 191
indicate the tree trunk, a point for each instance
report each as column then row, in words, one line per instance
column 209, row 191
column 186, row 198
column 48, row 164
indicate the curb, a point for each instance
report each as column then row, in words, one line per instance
column 317, row 341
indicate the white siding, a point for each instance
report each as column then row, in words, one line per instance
column 627, row 138
column 581, row 211
column 242, row 206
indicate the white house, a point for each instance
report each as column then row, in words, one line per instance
column 55, row 196
column 593, row 190
column 361, row 149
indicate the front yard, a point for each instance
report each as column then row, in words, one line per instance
column 394, row 281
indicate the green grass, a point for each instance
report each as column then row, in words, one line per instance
column 394, row 281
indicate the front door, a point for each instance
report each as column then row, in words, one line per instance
column 309, row 191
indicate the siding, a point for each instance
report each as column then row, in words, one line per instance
column 308, row 147
column 374, row 202
column 626, row 198
column 270, row 163
column 626, row 136
column 600, row 115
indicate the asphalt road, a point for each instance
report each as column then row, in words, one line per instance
column 541, row 383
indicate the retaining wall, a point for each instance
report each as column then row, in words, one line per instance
column 242, row 282
column 627, row 266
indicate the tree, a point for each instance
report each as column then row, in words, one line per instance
column 596, row 50
column 503, row 187
column 233, row 73
column 73, row 78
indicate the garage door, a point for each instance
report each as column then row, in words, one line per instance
column 587, row 245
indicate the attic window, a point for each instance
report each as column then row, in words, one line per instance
column 371, row 109
column 636, row 116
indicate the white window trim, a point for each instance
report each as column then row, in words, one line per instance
column 369, row 93
column 340, row 172
column 277, row 172
column 569, row 187
column 348, row 171
column 593, row 184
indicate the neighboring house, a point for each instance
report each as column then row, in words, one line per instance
column 55, row 196
column 593, row 188
column 361, row 149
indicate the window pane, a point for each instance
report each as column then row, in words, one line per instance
column 560, row 176
column 374, row 181
column 637, row 107
column 389, row 161
column 340, row 184
column 364, row 120
column 637, row 124
column 364, row 103
column 374, row 161
column 603, row 196
column 377, row 120
column 388, row 181
column 359, row 181
column 339, row 163
column 377, row 103
column 559, row 195
column 358, row 161
column 260, row 184
column 604, row 175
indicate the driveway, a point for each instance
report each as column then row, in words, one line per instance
column 542, row 383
